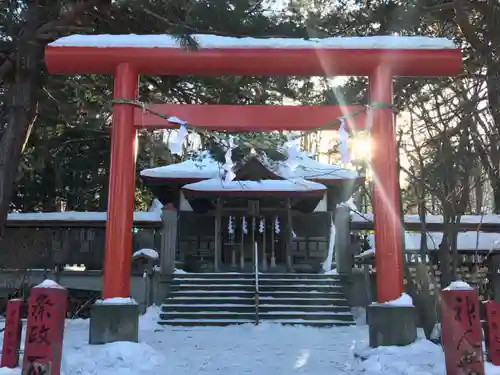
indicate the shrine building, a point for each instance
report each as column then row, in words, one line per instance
column 269, row 215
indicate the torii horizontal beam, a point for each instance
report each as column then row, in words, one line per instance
column 223, row 56
column 248, row 118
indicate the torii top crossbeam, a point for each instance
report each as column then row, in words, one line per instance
column 226, row 56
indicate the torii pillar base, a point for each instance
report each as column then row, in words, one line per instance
column 113, row 322
column 391, row 325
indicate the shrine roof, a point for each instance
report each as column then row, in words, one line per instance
column 205, row 167
column 217, row 186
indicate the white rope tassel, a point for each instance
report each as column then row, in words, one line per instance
column 292, row 150
column 244, row 226
column 230, row 226
column 261, row 226
column 277, row 226
column 228, row 165
column 176, row 145
column 343, row 138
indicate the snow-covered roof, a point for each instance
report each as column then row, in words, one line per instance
column 217, row 184
column 202, row 167
column 205, row 167
column 214, row 41
column 148, row 253
column 471, row 241
column 312, row 169
column 364, row 217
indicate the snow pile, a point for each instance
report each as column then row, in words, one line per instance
column 124, row 358
column 148, row 322
column 116, row 301
column 331, row 272
column 359, row 315
column 403, row 300
column 49, row 284
column 215, row 41
column 420, row 358
column 458, row 285
column 149, row 253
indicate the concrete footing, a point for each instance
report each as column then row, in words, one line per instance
column 113, row 322
column 391, row 325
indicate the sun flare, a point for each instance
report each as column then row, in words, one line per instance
column 361, row 148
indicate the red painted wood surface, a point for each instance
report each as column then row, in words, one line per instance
column 45, row 330
column 12, row 334
column 461, row 332
column 253, row 61
column 247, row 118
column 493, row 331
column 385, row 189
column 118, row 245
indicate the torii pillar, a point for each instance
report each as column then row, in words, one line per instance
column 127, row 56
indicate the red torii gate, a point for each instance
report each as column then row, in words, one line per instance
column 88, row 55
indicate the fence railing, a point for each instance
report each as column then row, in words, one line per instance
column 469, row 223
column 46, row 241
column 256, row 269
column 51, row 244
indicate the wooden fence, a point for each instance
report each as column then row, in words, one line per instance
column 51, row 244
column 36, row 243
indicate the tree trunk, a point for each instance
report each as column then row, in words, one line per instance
column 495, row 185
column 444, row 257
column 21, row 107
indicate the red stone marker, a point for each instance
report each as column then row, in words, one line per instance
column 45, row 330
column 461, row 331
column 493, row 331
column 12, row 334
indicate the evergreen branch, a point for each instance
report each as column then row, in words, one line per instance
column 66, row 19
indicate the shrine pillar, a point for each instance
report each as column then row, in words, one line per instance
column 390, row 324
column 116, row 317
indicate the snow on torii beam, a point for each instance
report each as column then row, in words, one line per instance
column 379, row 58
column 224, row 56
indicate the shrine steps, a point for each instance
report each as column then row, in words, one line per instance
column 227, row 299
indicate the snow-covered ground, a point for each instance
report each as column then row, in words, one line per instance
column 251, row 350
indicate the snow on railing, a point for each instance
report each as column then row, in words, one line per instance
column 256, row 269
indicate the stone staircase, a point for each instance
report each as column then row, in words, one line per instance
column 229, row 298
